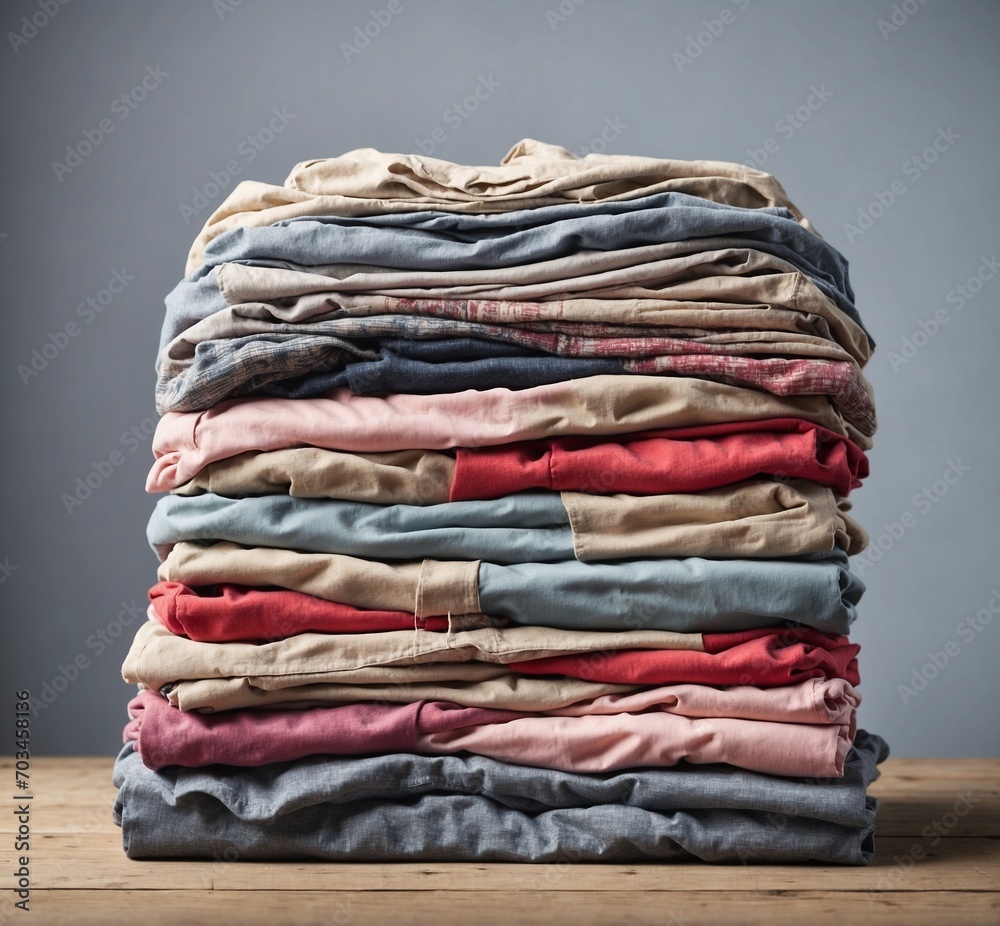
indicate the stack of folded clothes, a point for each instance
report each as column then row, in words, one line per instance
column 507, row 520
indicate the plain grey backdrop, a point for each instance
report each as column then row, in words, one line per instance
column 883, row 127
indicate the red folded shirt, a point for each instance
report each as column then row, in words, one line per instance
column 766, row 658
column 224, row 613
column 761, row 656
column 661, row 462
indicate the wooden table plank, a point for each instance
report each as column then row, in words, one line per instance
column 91, row 862
column 501, row 908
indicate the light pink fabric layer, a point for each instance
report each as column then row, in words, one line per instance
column 803, row 729
column 600, row 743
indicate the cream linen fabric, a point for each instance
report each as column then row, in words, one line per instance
column 426, row 589
column 531, row 174
column 403, row 477
column 752, row 519
column 158, row 657
column 471, row 684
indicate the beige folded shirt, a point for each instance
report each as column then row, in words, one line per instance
column 471, row 684
column 158, row 657
column 751, row 519
column 531, row 174
column 426, row 589
column 401, row 477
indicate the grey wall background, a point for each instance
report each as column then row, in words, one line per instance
column 566, row 71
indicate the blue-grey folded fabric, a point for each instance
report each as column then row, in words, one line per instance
column 450, row 241
column 450, row 808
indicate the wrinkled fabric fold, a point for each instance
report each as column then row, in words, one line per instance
column 753, row 519
column 700, row 306
column 221, row 613
column 690, row 594
column 765, row 657
column 653, row 269
column 469, row 684
column 644, row 463
column 432, row 240
column 531, row 175
column 598, row 405
column 478, row 809
column 304, row 367
column 660, row 735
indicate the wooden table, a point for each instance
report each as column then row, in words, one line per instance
column 920, row 874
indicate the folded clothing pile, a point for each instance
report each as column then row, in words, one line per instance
column 507, row 520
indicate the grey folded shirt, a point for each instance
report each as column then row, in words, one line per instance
column 449, row 808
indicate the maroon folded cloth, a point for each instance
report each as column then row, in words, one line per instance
column 166, row 736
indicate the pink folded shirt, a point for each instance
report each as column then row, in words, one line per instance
column 804, row 729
